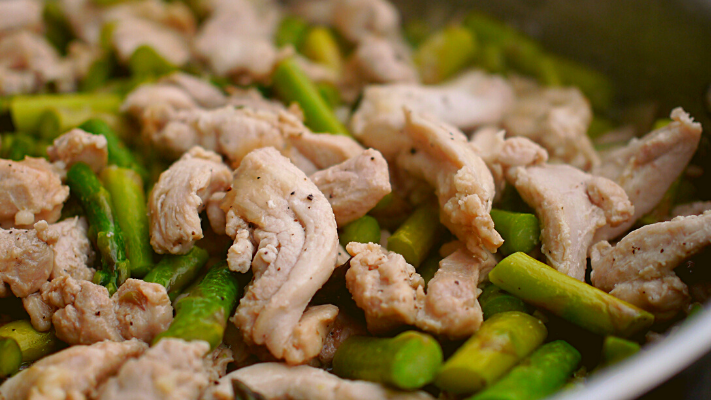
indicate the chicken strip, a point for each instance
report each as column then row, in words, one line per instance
column 279, row 381
column 571, row 205
column 30, row 190
column 20, row 14
column 440, row 155
column 73, row 373
column 173, row 369
column 354, row 186
column 73, row 253
column 284, row 228
column 80, row 146
column 468, row 101
column 640, row 268
column 392, row 294
column 26, row 259
column 85, row 313
column 180, row 195
column 557, row 119
column 647, row 167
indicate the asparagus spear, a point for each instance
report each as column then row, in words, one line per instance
column 175, row 272
column 445, row 53
column 146, row 63
column 501, row 342
column 55, row 120
column 292, row 84
column 129, row 203
column 33, row 344
column 493, row 300
column 118, row 153
column 416, row 236
column 16, row 146
column 538, row 376
column 408, row 361
column 27, row 110
column 203, row 313
column 10, row 357
column 321, row 46
column 96, row 201
column 588, row 307
column 429, row 267
column 291, row 31
column 58, row 31
column 391, row 211
column 616, row 349
column 363, row 230
column 521, row 231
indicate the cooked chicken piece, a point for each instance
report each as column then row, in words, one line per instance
column 180, row 195
column 85, row 313
column 279, row 381
column 377, row 60
column 216, row 362
column 354, row 186
column 392, row 294
column 26, row 259
column 343, row 327
column 354, row 19
column 73, row 373
column 147, row 95
column 20, row 14
column 143, row 309
column 440, row 155
column 571, row 205
column 502, row 154
column 129, row 34
column 557, row 119
column 73, row 252
column 29, row 62
column 172, row 369
column 234, row 132
column 253, row 99
column 30, row 191
column 473, row 99
column 695, row 208
column 647, row 167
column 236, row 40
column 284, row 227
column 80, row 146
column 640, row 268
column 164, row 27
column 202, row 91
column 40, row 312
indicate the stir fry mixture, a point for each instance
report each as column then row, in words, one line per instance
column 251, row 199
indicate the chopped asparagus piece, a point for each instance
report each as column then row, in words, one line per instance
column 445, row 53
column 417, row 235
column 363, row 230
column 175, row 271
column 521, row 231
column 33, row 344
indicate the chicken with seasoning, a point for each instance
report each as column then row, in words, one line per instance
column 322, row 199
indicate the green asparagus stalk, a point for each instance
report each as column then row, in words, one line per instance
column 57, row 29
column 493, row 300
column 417, row 235
column 146, row 63
column 321, row 46
column 99, row 72
column 408, row 361
column 129, row 203
column 445, row 53
column 56, row 120
column 501, row 342
column 291, row 31
column 330, row 94
column 119, row 155
column 10, row 357
column 521, row 231
column 363, row 230
column 203, row 313
column 416, row 32
column 27, row 110
column 96, row 201
column 292, row 84
column 175, row 272
column 538, row 376
column 33, row 344
column 616, row 349
column 391, row 211
column 588, row 307
column 599, row 126
column 16, row 146
column 596, row 86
